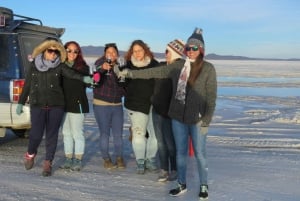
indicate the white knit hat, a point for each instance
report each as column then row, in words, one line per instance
column 176, row 47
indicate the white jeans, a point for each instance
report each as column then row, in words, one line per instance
column 74, row 141
column 144, row 148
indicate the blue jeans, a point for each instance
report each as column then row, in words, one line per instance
column 72, row 130
column 181, row 135
column 110, row 117
column 165, row 141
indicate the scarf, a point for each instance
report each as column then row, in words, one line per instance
column 182, row 81
column 138, row 63
column 44, row 65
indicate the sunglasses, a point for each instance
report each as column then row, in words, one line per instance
column 55, row 51
column 72, row 51
column 167, row 51
column 194, row 48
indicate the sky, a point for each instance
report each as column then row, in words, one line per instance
column 252, row 28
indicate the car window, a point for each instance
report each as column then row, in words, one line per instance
column 4, row 54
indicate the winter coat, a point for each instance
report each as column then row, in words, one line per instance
column 139, row 91
column 75, row 92
column 45, row 88
column 200, row 99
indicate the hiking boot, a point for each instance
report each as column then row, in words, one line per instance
column 140, row 169
column 151, row 165
column 68, row 163
column 163, row 176
column 108, row 164
column 76, row 165
column 173, row 175
column 120, row 163
column 47, row 168
column 28, row 160
column 181, row 189
column 203, row 195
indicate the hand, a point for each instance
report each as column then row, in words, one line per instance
column 87, row 80
column 203, row 130
column 125, row 73
column 19, row 109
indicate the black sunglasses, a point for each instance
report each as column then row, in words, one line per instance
column 55, row 51
column 167, row 51
column 194, row 48
column 72, row 51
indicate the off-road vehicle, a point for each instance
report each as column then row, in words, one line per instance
column 18, row 37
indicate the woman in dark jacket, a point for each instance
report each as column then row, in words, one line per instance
column 76, row 106
column 43, row 85
column 138, row 104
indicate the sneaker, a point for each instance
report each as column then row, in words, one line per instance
column 140, row 166
column 181, row 189
column 47, row 168
column 120, row 163
column 163, row 176
column 203, row 195
column 76, row 166
column 28, row 160
column 68, row 163
column 150, row 164
column 108, row 164
column 173, row 175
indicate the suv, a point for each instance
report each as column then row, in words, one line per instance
column 19, row 35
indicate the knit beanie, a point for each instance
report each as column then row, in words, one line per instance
column 176, row 47
column 196, row 38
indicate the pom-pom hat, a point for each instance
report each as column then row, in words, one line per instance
column 196, row 38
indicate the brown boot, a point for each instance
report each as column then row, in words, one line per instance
column 120, row 163
column 47, row 168
column 28, row 160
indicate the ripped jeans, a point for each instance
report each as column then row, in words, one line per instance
column 143, row 148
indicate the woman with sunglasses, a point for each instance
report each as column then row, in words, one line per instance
column 191, row 108
column 108, row 108
column 76, row 106
column 43, row 85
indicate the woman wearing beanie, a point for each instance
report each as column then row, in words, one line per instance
column 191, row 108
column 76, row 106
column 108, row 108
column 43, row 85
column 161, row 121
column 138, row 104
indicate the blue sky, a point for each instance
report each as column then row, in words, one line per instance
column 253, row 28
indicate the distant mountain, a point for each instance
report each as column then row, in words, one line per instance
column 96, row 51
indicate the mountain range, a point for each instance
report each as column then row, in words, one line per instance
column 96, row 51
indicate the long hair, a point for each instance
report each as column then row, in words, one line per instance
column 196, row 69
column 79, row 62
column 143, row 45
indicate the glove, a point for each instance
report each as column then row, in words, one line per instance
column 87, row 80
column 19, row 109
column 203, row 130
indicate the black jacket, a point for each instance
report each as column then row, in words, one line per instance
column 45, row 88
column 139, row 91
column 75, row 93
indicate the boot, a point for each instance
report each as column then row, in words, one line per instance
column 28, row 160
column 67, row 164
column 120, row 162
column 47, row 168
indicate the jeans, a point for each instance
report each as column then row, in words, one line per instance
column 72, row 131
column 110, row 118
column 46, row 120
column 181, row 135
column 143, row 148
column 165, row 142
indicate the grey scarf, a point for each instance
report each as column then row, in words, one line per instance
column 44, row 65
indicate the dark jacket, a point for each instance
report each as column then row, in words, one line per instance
column 45, row 88
column 200, row 99
column 162, row 95
column 139, row 91
column 108, row 88
column 75, row 92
